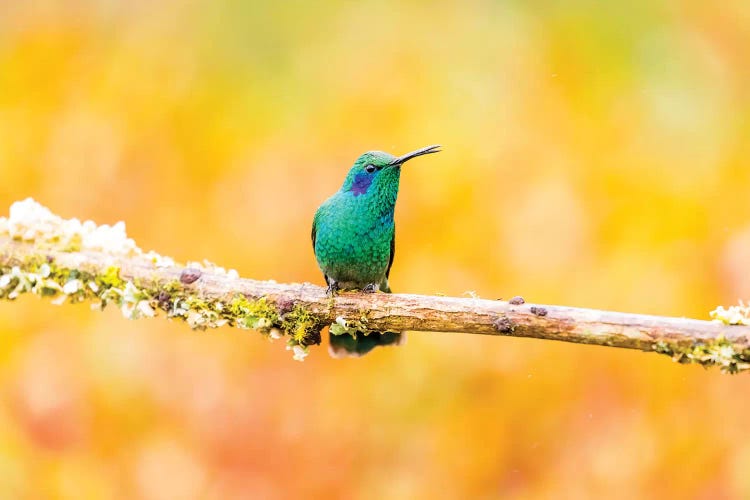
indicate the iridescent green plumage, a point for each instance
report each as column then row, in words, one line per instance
column 353, row 236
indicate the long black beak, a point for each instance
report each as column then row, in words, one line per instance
column 419, row 152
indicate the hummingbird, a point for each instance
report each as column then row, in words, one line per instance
column 353, row 236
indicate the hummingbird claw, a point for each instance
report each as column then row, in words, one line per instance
column 333, row 288
column 370, row 288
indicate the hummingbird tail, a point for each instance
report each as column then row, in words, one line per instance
column 342, row 346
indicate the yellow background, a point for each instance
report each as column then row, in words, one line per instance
column 595, row 155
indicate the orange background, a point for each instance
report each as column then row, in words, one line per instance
column 595, row 154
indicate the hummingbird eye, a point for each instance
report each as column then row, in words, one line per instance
column 370, row 168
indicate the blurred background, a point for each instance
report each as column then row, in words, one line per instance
column 595, row 155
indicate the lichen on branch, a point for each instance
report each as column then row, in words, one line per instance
column 49, row 256
column 72, row 261
column 732, row 315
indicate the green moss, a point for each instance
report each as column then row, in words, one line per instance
column 172, row 286
column 351, row 327
column 258, row 314
column 111, row 278
column 302, row 326
column 719, row 352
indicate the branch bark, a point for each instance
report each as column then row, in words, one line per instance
column 686, row 340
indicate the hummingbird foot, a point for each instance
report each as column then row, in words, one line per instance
column 333, row 288
column 371, row 288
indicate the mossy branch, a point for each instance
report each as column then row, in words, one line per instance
column 207, row 296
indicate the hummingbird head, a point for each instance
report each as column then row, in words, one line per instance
column 379, row 170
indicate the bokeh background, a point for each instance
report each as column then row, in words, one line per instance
column 595, row 154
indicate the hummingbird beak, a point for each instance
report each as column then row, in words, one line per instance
column 419, row 152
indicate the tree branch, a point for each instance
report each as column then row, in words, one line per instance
column 208, row 296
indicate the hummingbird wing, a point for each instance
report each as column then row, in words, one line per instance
column 393, row 252
column 315, row 227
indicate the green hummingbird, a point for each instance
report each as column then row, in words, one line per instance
column 353, row 236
